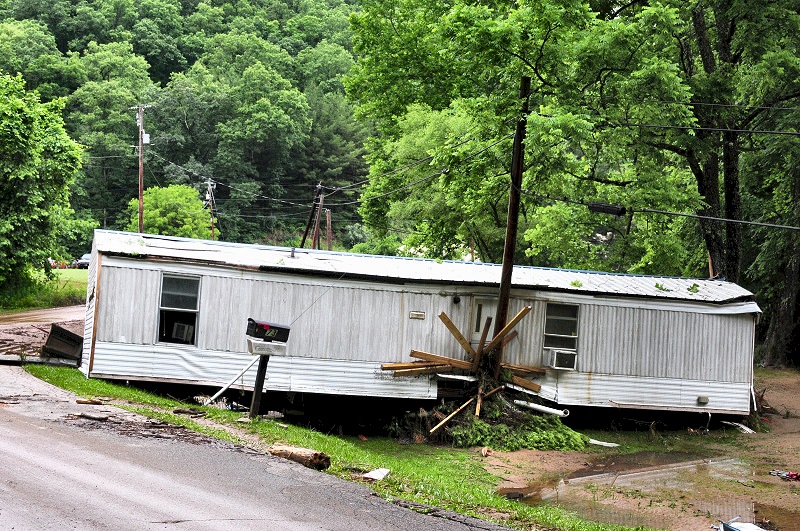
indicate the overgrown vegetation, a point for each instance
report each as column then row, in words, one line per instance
column 451, row 478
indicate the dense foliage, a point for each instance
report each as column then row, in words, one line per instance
column 37, row 163
column 669, row 108
column 246, row 94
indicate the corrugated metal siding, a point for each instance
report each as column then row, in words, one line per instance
column 128, row 305
column 607, row 390
column 353, row 322
column 526, row 349
column 658, row 343
column 283, row 373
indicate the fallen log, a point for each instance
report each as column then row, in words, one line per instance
column 304, row 456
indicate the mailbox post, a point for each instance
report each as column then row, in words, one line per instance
column 272, row 342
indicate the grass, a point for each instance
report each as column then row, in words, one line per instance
column 67, row 288
column 431, row 475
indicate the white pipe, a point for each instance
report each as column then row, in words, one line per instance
column 543, row 409
column 227, row 385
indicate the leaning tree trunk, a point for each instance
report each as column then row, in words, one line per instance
column 783, row 321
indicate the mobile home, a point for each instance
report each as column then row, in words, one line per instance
column 175, row 310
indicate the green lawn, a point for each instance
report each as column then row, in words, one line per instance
column 440, row 476
column 66, row 289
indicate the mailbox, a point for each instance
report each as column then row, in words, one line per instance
column 267, row 331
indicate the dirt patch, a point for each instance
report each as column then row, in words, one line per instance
column 674, row 491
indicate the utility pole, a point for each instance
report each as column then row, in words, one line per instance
column 517, row 167
column 317, row 194
column 141, row 167
column 144, row 138
column 330, row 229
column 210, row 199
column 315, row 237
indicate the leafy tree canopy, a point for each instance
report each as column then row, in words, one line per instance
column 175, row 210
column 38, row 161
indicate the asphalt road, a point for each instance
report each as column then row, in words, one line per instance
column 65, row 465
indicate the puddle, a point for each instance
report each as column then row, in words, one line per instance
column 649, row 489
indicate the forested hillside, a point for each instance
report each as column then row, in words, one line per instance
column 247, row 95
column 684, row 113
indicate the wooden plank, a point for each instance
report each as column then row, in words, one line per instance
column 424, row 370
column 406, row 365
column 427, row 356
column 457, row 334
column 506, row 329
column 509, row 338
column 485, row 333
column 522, row 370
column 451, row 415
column 527, row 384
column 493, row 391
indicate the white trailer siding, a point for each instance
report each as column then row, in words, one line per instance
column 641, row 341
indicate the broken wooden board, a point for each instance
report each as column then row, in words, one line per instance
column 427, row 356
column 526, row 384
column 524, row 370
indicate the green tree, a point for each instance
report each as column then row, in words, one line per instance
column 38, row 161
column 175, row 210
column 100, row 116
column 616, row 98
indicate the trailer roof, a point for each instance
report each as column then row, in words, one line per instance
column 398, row 269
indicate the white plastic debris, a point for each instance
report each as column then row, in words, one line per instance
column 741, row 427
column 603, row 443
column 377, row 474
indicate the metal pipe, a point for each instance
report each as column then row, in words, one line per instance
column 543, row 409
column 229, row 384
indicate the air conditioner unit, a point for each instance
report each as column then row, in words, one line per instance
column 564, row 360
column 182, row 332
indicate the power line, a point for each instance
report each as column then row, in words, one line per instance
column 700, row 128
column 663, row 212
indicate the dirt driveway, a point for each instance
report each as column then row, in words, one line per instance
column 659, row 490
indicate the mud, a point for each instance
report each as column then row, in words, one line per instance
column 668, row 490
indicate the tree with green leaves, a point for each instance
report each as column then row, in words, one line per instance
column 176, row 210
column 38, row 161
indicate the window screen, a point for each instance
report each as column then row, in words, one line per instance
column 561, row 326
column 180, row 293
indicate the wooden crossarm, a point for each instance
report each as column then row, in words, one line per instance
column 506, row 329
column 527, row 384
column 459, row 364
column 457, row 334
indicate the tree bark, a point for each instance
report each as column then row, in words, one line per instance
column 304, row 456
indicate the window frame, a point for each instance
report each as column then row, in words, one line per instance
column 175, row 316
column 574, row 337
